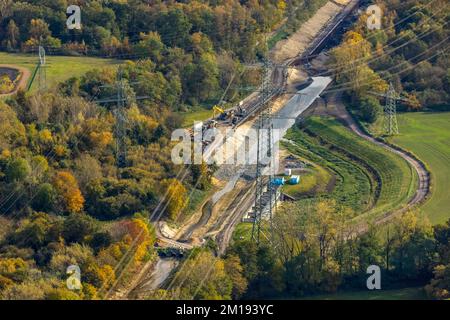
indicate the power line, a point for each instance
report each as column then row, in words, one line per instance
column 390, row 112
column 121, row 100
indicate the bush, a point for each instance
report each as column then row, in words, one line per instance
column 370, row 109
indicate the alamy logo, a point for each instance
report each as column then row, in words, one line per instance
column 73, row 282
column 374, row 281
column 374, row 20
column 74, row 20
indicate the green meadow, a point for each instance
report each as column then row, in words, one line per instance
column 59, row 68
column 427, row 135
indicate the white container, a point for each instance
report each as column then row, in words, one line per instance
column 287, row 172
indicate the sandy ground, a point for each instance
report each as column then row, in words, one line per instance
column 25, row 74
column 300, row 40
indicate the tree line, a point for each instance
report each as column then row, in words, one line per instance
column 64, row 199
column 409, row 50
column 317, row 249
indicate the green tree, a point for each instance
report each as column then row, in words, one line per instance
column 413, row 246
column 45, row 198
column 202, row 175
column 174, row 28
column 100, row 240
column 33, row 232
column 17, row 170
column 13, row 34
column 370, row 108
column 369, row 250
column 77, row 227
column 235, row 271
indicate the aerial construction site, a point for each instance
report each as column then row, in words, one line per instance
column 291, row 88
column 224, row 150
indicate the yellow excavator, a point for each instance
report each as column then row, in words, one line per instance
column 218, row 112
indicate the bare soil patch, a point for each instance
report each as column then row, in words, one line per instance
column 300, row 40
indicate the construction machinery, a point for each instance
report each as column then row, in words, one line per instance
column 217, row 111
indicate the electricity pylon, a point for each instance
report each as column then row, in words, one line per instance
column 390, row 112
column 40, row 72
column 119, row 111
column 266, row 192
column 120, row 131
column 264, row 151
column 42, row 77
column 121, row 121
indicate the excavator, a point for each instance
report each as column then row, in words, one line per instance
column 218, row 112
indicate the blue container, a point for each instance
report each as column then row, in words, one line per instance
column 294, row 180
column 278, row 181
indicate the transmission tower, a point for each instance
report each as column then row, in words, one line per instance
column 42, row 75
column 119, row 110
column 390, row 112
column 265, row 198
column 121, row 121
column 120, row 100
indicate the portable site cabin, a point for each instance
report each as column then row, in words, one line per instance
column 294, row 180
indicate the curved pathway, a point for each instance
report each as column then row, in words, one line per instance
column 423, row 187
column 25, row 75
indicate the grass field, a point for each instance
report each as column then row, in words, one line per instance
column 353, row 185
column 359, row 166
column 197, row 114
column 59, row 68
column 313, row 182
column 427, row 135
column 243, row 231
column 398, row 294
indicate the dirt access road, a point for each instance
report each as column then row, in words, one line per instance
column 336, row 108
column 25, row 75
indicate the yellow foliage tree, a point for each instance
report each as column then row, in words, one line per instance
column 350, row 64
column 45, row 136
column 281, row 5
column 176, row 199
column 67, row 187
column 203, row 277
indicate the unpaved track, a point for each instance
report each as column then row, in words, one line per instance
column 334, row 100
column 296, row 44
column 241, row 206
column 25, row 75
